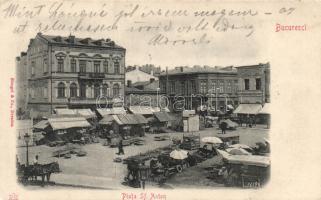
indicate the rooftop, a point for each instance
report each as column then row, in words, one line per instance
column 72, row 40
column 253, row 66
column 182, row 70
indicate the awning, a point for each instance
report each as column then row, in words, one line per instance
column 163, row 116
column 142, row 110
column 248, row 109
column 262, row 161
column 111, row 111
column 65, row 123
column 64, row 111
column 41, row 125
column 230, row 124
column 87, row 113
column 130, row 119
column 266, row 109
column 107, row 120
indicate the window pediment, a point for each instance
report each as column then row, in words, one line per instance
column 60, row 55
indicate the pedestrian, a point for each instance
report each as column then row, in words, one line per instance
column 35, row 160
column 120, row 147
column 142, row 176
column 223, row 127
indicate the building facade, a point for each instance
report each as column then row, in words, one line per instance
column 254, row 83
column 189, row 88
column 137, row 75
column 145, row 93
column 70, row 72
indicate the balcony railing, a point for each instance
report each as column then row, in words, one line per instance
column 91, row 75
column 82, row 100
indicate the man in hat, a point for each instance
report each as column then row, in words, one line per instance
column 120, row 147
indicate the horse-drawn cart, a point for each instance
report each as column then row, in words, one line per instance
column 31, row 172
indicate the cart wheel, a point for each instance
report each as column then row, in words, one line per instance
column 179, row 168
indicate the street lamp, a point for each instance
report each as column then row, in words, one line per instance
column 216, row 98
column 27, row 139
column 158, row 104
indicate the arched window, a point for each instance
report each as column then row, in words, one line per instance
column 116, row 90
column 105, row 90
column 73, row 90
column 116, row 67
column 61, row 90
column 96, row 90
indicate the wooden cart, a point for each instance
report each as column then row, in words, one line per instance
column 190, row 142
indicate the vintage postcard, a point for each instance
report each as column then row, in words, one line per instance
column 160, row 100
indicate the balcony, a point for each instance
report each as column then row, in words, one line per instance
column 90, row 101
column 82, row 101
column 91, row 75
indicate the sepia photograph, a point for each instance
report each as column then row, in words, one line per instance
column 160, row 100
column 89, row 119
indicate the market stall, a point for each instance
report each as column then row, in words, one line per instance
column 159, row 121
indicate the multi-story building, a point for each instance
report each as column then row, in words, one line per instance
column 196, row 86
column 70, row 72
column 254, row 83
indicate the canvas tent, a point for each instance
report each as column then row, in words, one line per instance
column 266, row 109
column 251, row 109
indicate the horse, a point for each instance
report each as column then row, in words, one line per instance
column 44, row 171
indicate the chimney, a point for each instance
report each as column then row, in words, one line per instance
column 151, row 80
column 71, row 39
column 181, row 69
column 129, row 83
column 152, row 72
